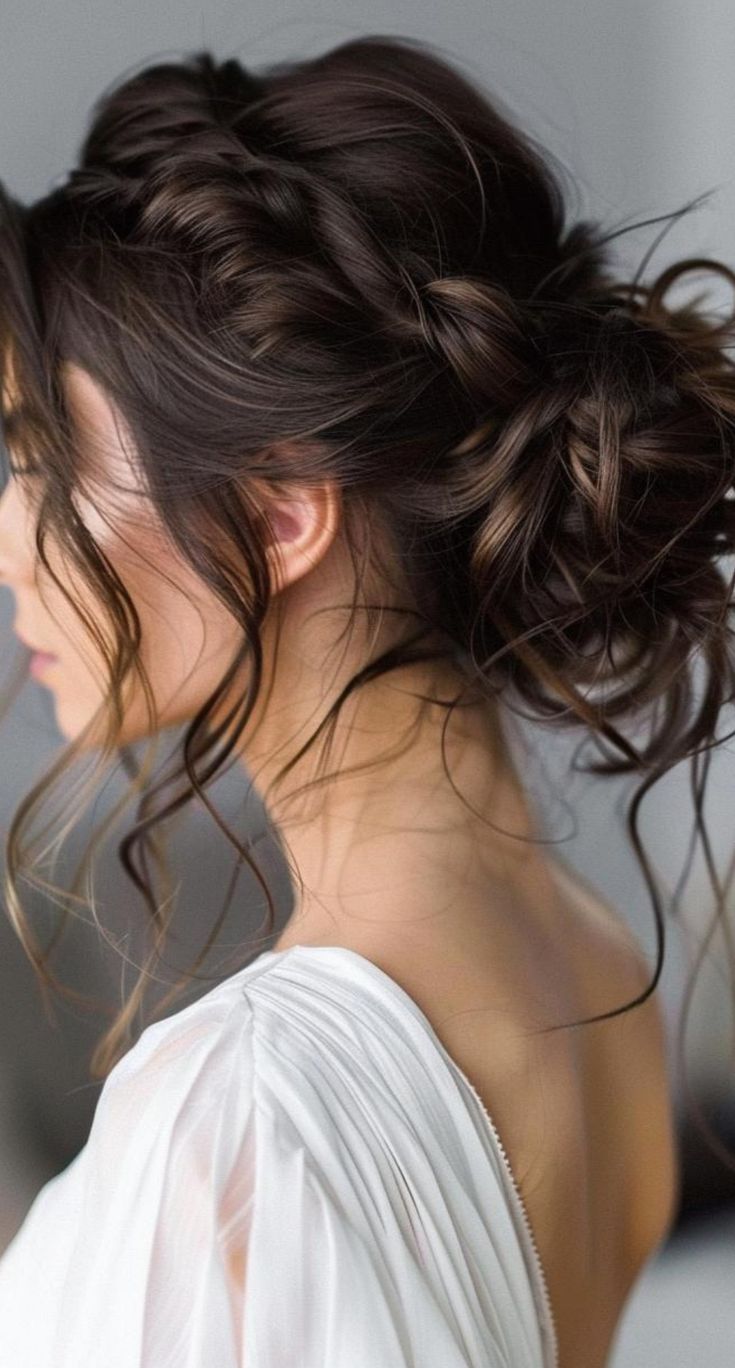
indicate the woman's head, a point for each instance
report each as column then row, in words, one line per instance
column 164, row 589
column 369, row 395
column 187, row 636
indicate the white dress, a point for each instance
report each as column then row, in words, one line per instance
column 291, row 1172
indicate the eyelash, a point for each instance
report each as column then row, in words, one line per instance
column 21, row 472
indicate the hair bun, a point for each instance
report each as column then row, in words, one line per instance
column 607, row 494
column 363, row 278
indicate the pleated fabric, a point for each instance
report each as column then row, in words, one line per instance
column 291, row 1172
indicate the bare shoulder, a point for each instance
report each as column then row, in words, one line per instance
column 618, row 971
column 613, row 956
column 601, row 916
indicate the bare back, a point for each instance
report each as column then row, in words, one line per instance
column 585, row 1114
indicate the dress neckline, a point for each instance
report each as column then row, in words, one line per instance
column 403, row 997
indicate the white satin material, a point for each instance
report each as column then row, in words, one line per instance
column 288, row 1173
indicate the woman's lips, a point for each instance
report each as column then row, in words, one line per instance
column 40, row 661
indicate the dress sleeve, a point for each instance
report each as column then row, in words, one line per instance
column 155, row 1270
column 235, row 1212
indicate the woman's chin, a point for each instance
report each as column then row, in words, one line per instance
column 77, row 718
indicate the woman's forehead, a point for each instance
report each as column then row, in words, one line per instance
column 103, row 446
column 90, row 409
column 87, row 401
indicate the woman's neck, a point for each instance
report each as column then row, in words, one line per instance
column 389, row 836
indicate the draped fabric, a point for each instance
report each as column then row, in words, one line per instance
column 290, row 1172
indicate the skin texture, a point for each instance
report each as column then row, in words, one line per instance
column 375, row 846
column 467, row 919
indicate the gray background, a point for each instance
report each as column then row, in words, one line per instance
column 637, row 102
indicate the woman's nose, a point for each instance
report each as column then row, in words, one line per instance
column 17, row 540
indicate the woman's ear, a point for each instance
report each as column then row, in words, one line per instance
column 305, row 523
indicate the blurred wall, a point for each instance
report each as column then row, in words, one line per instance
column 637, row 102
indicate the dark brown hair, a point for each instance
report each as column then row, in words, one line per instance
column 356, row 268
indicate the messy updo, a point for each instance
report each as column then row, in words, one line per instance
column 355, row 268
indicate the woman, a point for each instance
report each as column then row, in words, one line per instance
column 331, row 442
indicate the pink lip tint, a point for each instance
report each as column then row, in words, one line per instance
column 40, row 661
